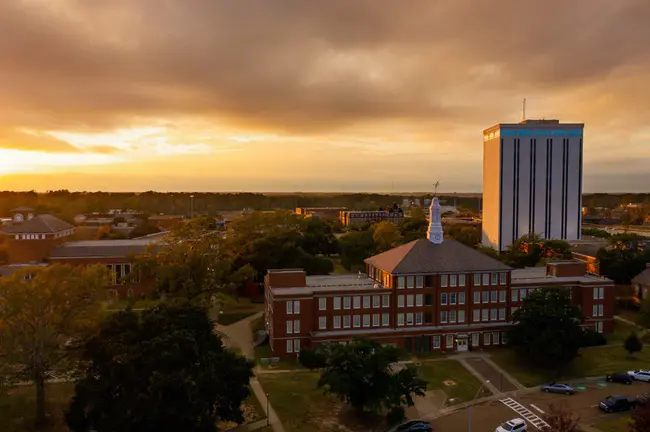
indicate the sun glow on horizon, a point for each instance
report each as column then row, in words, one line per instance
column 17, row 161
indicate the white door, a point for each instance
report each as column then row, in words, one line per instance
column 461, row 344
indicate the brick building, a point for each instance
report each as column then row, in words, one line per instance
column 360, row 217
column 325, row 213
column 428, row 295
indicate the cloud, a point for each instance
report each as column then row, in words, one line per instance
column 27, row 140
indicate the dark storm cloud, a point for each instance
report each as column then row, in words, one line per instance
column 305, row 65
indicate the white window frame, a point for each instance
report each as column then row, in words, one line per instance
column 495, row 338
column 452, row 316
column 296, row 307
column 523, row 291
column 410, row 300
column 289, row 346
column 449, row 341
column 444, row 315
column 289, row 327
column 366, row 302
column 494, row 296
column 400, row 319
column 477, row 279
column 356, row 321
column 461, row 280
column 419, row 300
column 477, row 297
column 385, row 320
column 410, row 282
column 322, row 322
column 400, row 301
column 452, row 298
column 594, row 310
column 485, row 314
column 502, row 314
column 601, row 295
column 337, row 322
column 444, row 281
column 436, row 342
column 486, row 338
column 375, row 320
column 401, row 283
column 595, row 290
column 486, row 296
column 443, row 299
column 502, row 278
column 494, row 313
column 347, row 302
column 486, row 279
column 356, row 302
column 376, row 301
column 296, row 326
column 322, row 303
column 365, row 320
column 418, row 318
column 461, row 298
column 419, row 281
column 502, row 296
column 409, row 319
column 453, row 280
column 461, row 315
column 514, row 295
column 599, row 326
column 290, row 307
column 296, row 345
column 494, row 279
column 476, row 315
column 601, row 310
column 337, row 303
column 385, row 300
column 347, row 321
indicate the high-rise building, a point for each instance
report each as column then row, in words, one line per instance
column 532, row 181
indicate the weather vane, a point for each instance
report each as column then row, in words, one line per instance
column 435, row 187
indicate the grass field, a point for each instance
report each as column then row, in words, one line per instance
column 613, row 424
column 592, row 362
column 435, row 373
column 620, row 332
column 18, row 405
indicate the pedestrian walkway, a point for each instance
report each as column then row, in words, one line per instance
column 481, row 366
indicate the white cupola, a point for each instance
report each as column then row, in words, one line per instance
column 435, row 233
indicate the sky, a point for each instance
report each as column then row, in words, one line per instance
column 295, row 95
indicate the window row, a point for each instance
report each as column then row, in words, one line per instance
column 409, row 319
column 452, row 298
column 410, row 282
column 356, row 321
column 597, row 310
column 599, row 293
column 454, row 280
column 493, row 296
column 30, row 237
column 480, row 315
column 355, row 302
column 520, row 294
column 293, row 346
column 489, row 338
column 119, row 273
column 452, row 316
column 293, row 307
column 293, row 327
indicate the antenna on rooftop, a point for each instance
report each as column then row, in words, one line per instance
column 524, row 109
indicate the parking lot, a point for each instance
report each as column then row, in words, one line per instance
column 486, row 417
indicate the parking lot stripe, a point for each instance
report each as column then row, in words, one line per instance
column 537, row 408
column 527, row 414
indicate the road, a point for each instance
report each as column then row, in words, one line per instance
column 487, row 416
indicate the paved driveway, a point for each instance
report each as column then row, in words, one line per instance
column 486, row 417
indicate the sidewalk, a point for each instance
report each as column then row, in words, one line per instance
column 482, row 367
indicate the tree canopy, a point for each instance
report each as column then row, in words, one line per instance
column 633, row 343
column 364, row 374
column 43, row 309
column 164, row 370
column 547, row 328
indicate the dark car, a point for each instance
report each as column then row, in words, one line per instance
column 558, row 388
column 617, row 403
column 622, row 378
column 414, row 426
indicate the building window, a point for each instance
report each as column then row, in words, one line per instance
column 443, row 298
column 289, row 307
column 599, row 326
column 599, row 293
column 493, row 314
column 502, row 313
column 356, row 302
column 322, row 323
column 418, row 318
column 427, row 317
column 461, row 316
column 322, row 304
column 337, row 322
column 477, row 279
column 337, row 303
column 296, row 307
column 376, row 301
column 386, row 300
column 346, row 321
column 502, row 278
column 444, row 280
column 366, row 302
column 522, row 294
column 418, row 299
column 400, row 301
column 366, row 320
column 452, row 298
column 357, row 321
column 375, row 320
column 409, row 300
column 436, row 342
column 477, row 297
column 493, row 277
column 289, row 346
column 400, row 282
column 409, row 319
column 502, row 296
column 443, row 316
column 452, row 316
column 486, row 296
column 419, row 281
column 485, row 314
column 486, row 279
column 410, row 280
column 289, row 327
column 453, row 280
column 449, row 341
column 296, row 345
column 296, row 326
column 495, row 338
column 493, row 296
column 461, row 280
column 600, row 310
column 400, row 319
column 504, row 338
column 427, row 299
column 346, row 302
column 385, row 318
column 486, row 338
column 476, row 315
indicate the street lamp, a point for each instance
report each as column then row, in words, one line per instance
column 191, row 206
column 469, row 420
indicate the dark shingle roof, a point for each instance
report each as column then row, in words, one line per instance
column 41, row 224
column 101, row 248
column 422, row 256
column 642, row 278
column 8, row 270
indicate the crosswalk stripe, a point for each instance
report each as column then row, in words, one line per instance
column 527, row 414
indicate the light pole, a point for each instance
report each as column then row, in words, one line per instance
column 268, row 414
column 191, row 206
column 469, row 419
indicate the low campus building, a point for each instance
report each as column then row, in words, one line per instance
column 427, row 295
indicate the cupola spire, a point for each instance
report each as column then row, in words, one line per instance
column 435, row 233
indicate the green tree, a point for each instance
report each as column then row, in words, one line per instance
column 41, row 309
column 466, row 234
column 356, row 246
column 362, row 374
column 633, row 344
column 165, row 370
column 386, row 235
column 622, row 263
column 313, row 358
column 547, row 332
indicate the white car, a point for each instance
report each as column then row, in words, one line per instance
column 514, row 425
column 640, row 375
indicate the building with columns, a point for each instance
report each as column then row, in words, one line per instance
column 432, row 294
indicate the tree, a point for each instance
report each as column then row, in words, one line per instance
column 561, row 419
column 363, row 375
column 633, row 344
column 41, row 310
column 385, row 235
column 165, row 371
column 466, row 234
column 313, row 358
column 547, row 332
column 640, row 419
column 356, row 246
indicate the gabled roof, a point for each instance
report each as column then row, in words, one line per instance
column 423, row 257
column 642, row 278
column 41, row 224
column 102, row 248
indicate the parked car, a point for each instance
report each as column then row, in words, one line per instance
column 618, row 403
column 514, row 425
column 622, row 378
column 640, row 375
column 558, row 388
column 414, row 426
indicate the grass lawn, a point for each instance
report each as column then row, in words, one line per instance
column 620, row 333
column 613, row 424
column 234, row 310
column 593, row 362
column 301, row 406
column 18, row 405
column 264, row 351
column 231, row 318
column 437, row 372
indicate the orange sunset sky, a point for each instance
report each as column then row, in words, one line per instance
column 335, row 95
